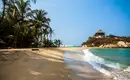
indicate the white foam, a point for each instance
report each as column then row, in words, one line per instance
column 90, row 58
column 93, row 60
column 100, row 60
column 127, row 69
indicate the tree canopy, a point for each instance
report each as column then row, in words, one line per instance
column 20, row 26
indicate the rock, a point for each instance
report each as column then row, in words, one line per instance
column 109, row 46
column 128, row 44
column 101, row 46
column 84, row 46
column 122, row 44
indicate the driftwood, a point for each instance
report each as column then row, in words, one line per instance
column 35, row 49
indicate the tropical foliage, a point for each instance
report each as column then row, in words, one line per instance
column 57, row 42
column 20, row 26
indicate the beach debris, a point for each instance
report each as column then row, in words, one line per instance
column 35, row 49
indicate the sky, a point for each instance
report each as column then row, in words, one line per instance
column 75, row 20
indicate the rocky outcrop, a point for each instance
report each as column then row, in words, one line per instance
column 109, row 46
column 128, row 44
column 99, row 39
column 120, row 44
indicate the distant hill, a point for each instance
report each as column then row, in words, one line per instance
column 99, row 39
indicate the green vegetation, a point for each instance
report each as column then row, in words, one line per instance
column 20, row 26
column 57, row 42
column 99, row 40
column 96, row 42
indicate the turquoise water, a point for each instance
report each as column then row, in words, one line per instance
column 111, row 62
column 121, row 56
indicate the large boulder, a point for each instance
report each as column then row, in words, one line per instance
column 128, row 44
column 122, row 44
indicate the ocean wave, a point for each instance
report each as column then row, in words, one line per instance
column 109, row 68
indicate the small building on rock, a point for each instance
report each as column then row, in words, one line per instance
column 99, row 34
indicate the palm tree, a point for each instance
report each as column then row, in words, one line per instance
column 19, row 13
column 51, row 32
column 23, row 7
column 41, row 23
column 57, row 42
column 5, row 2
column 3, row 12
column 24, row 24
column 12, row 15
column 40, row 17
column 16, row 15
column 45, row 34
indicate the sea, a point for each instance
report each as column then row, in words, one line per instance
column 113, row 62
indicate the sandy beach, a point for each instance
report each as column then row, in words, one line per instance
column 45, row 64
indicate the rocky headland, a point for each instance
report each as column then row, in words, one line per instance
column 99, row 39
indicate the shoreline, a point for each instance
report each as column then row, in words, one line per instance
column 82, row 68
column 47, row 63
column 103, row 71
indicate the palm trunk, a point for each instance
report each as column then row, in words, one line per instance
column 47, row 41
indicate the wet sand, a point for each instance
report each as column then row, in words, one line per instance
column 45, row 64
column 83, row 70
